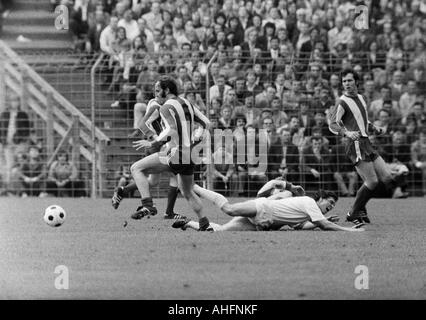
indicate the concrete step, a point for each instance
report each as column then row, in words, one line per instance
column 32, row 5
column 40, row 45
column 30, row 17
column 35, row 32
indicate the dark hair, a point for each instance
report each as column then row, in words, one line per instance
column 345, row 72
column 324, row 194
column 269, row 25
column 240, row 116
column 167, row 82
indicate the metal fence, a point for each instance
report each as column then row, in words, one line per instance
column 293, row 92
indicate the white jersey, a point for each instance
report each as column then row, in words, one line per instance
column 288, row 211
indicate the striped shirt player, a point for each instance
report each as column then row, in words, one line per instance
column 180, row 144
column 351, row 114
column 350, row 118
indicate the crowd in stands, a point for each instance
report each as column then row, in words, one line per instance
column 273, row 65
column 24, row 169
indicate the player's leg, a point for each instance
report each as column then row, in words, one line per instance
column 385, row 175
column 140, row 171
column 235, row 224
column 353, row 180
column 245, row 209
column 186, row 183
column 368, row 174
column 338, row 177
column 171, row 199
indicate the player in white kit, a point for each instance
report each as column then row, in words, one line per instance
column 278, row 210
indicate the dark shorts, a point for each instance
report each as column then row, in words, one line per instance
column 184, row 169
column 361, row 150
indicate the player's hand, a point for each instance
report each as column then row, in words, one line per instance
column 353, row 135
column 141, row 144
column 333, row 218
column 297, row 190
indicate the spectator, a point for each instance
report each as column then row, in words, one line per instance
column 146, row 78
column 343, row 169
column 417, row 114
column 384, row 122
column 33, row 174
column 226, row 121
column 16, row 186
column 81, row 12
column 14, row 134
column 274, row 147
column 340, row 34
column 289, row 166
column 397, row 86
column 223, row 170
column 377, row 105
column 265, row 98
column 240, row 155
column 278, row 115
column 220, row 89
column 108, row 37
column 154, row 18
column 317, row 164
column 407, row 100
column 130, row 25
column 293, row 97
column 62, row 179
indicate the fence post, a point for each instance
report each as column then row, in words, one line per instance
column 75, row 154
column 2, row 85
column 101, row 164
column 24, row 89
column 93, row 106
column 49, row 124
column 209, row 165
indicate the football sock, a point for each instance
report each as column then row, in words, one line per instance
column 218, row 199
column 147, row 202
column 129, row 188
column 362, row 196
column 171, row 199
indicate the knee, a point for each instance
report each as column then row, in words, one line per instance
column 372, row 183
column 228, row 209
column 135, row 168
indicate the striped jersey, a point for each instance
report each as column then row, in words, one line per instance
column 152, row 119
column 185, row 116
column 350, row 114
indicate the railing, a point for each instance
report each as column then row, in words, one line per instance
column 56, row 111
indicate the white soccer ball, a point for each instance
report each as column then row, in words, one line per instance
column 54, row 215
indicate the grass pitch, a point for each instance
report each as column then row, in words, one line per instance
column 148, row 259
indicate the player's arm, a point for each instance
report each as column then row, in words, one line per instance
column 169, row 123
column 165, row 135
column 203, row 121
column 337, row 126
column 151, row 115
column 327, row 225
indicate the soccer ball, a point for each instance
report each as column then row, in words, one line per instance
column 54, row 215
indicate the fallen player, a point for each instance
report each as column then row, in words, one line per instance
column 278, row 211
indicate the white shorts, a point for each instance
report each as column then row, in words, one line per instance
column 263, row 218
